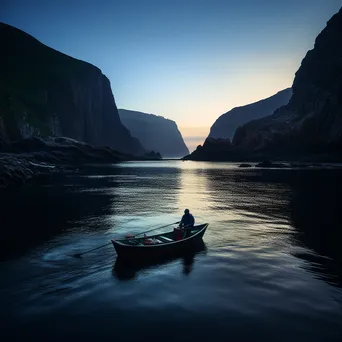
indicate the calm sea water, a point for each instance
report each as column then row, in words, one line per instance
column 270, row 268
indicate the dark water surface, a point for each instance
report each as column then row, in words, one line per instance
column 270, row 268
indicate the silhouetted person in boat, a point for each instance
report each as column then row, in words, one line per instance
column 187, row 222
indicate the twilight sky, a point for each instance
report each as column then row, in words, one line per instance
column 187, row 60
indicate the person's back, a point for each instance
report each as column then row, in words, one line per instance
column 187, row 221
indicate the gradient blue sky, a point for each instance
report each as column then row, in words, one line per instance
column 189, row 60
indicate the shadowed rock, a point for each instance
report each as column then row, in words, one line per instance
column 311, row 124
column 36, row 157
column 226, row 125
column 155, row 133
column 269, row 164
column 46, row 93
column 309, row 127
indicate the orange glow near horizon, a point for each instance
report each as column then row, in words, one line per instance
column 194, row 136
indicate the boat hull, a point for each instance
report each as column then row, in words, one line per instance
column 124, row 269
column 163, row 250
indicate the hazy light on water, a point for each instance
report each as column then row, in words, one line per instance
column 265, row 257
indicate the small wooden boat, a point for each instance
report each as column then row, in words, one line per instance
column 159, row 246
column 124, row 269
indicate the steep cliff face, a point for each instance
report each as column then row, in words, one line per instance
column 155, row 133
column 309, row 127
column 312, row 121
column 226, row 125
column 44, row 92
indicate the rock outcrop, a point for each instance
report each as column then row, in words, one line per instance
column 46, row 93
column 155, row 133
column 33, row 157
column 16, row 171
column 309, row 127
column 29, row 158
column 226, row 125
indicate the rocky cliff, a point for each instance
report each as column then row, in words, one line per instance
column 46, row 93
column 310, row 125
column 155, row 133
column 226, row 125
column 312, row 121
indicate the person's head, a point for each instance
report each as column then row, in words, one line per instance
column 186, row 212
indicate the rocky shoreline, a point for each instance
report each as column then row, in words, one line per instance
column 267, row 164
column 18, row 169
column 223, row 150
column 35, row 157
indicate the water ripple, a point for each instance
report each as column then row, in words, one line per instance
column 267, row 271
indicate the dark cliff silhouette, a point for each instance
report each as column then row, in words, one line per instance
column 155, row 133
column 309, row 127
column 226, row 125
column 46, row 93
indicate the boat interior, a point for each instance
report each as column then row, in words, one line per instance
column 165, row 238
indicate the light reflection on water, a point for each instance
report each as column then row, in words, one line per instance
column 267, row 269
